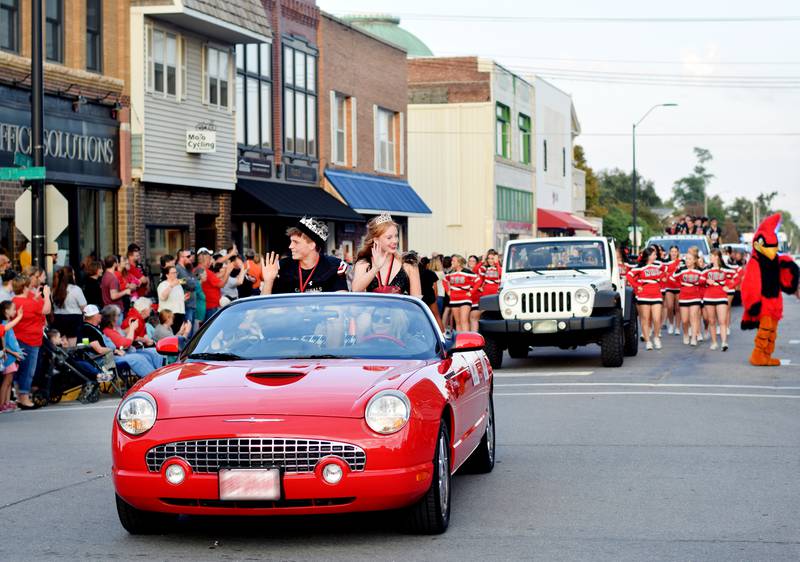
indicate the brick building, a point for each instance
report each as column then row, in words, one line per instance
column 362, row 116
column 278, row 132
column 85, row 102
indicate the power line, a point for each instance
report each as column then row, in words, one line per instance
column 635, row 61
column 573, row 19
column 623, row 134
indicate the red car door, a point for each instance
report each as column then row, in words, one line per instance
column 468, row 385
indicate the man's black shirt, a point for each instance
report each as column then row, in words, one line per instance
column 328, row 277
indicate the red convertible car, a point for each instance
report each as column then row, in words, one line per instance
column 306, row 404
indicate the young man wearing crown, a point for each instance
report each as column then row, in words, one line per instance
column 309, row 269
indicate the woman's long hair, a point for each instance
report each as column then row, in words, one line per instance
column 716, row 252
column 374, row 230
column 64, row 277
column 645, row 255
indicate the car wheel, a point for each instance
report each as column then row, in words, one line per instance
column 139, row 522
column 494, row 352
column 631, row 333
column 431, row 514
column 612, row 343
column 518, row 351
column 482, row 459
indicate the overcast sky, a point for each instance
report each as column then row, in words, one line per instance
column 750, row 158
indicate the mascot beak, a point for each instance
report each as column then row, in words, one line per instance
column 769, row 251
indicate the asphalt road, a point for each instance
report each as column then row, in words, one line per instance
column 682, row 454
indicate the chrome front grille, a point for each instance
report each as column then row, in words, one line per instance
column 546, row 302
column 292, row 455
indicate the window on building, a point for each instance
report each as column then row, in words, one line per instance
column 544, row 153
column 254, row 95
column 514, row 205
column 54, row 30
column 217, row 77
column 94, row 35
column 503, row 130
column 386, row 141
column 162, row 62
column 340, row 129
column 564, row 162
column 299, row 101
column 524, row 139
column 9, row 25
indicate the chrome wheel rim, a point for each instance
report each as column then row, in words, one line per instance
column 444, row 474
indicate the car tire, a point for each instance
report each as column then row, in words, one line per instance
column 612, row 343
column 632, row 334
column 431, row 514
column 139, row 522
column 518, row 351
column 481, row 461
column 494, row 352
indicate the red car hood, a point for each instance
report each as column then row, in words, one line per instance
column 331, row 387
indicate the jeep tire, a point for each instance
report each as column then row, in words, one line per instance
column 494, row 351
column 612, row 342
column 518, row 350
column 632, row 334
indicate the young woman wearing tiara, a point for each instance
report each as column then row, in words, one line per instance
column 380, row 268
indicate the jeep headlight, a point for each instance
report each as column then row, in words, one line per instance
column 510, row 298
column 582, row 296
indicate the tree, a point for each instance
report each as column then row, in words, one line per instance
column 691, row 189
column 592, row 188
column 616, row 186
column 740, row 213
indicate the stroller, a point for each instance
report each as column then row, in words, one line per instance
column 60, row 372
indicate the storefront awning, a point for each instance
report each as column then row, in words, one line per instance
column 371, row 195
column 264, row 198
column 547, row 219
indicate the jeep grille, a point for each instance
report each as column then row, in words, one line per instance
column 539, row 302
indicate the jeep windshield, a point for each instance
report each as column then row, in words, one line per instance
column 556, row 254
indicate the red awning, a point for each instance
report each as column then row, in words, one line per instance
column 561, row 220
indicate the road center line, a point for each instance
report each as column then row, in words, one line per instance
column 652, row 385
column 544, row 374
column 643, row 393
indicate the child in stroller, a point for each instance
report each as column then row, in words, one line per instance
column 61, row 371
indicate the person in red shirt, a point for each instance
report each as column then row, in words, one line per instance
column 110, row 286
column 214, row 282
column 690, row 297
column 135, row 275
column 646, row 280
column 29, row 332
column 671, row 290
column 717, row 280
column 139, row 312
column 462, row 282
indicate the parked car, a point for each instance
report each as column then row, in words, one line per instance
column 563, row 292
column 682, row 241
column 304, row 404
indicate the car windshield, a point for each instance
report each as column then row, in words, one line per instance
column 683, row 244
column 556, row 254
column 319, row 326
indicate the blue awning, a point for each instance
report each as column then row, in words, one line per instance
column 371, row 195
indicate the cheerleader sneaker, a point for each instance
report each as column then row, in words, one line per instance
column 700, row 336
column 693, row 343
column 712, row 347
column 685, row 339
column 649, row 346
column 657, row 343
column 717, row 330
column 724, row 347
column 670, row 329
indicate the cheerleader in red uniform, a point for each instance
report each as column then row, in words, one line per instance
column 489, row 274
column 462, row 283
column 671, row 290
column 690, row 297
column 735, row 285
column 717, row 280
column 646, row 279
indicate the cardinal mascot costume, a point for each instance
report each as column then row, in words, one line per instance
column 765, row 276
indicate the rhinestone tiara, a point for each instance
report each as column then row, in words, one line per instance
column 382, row 218
column 317, row 227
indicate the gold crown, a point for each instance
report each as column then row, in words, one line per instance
column 317, row 227
column 382, row 218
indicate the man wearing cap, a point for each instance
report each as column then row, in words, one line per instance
column 309, row 269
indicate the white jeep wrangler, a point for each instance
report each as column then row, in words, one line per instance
column 561, row 292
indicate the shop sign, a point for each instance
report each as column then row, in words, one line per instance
column 201, row 141
column 306, row 174
column 255, row 168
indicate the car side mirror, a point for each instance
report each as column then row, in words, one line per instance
column 466, row 341
column 169, row 346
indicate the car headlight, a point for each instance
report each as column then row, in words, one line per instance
column 137, row 413
column 582, row 296
column 387, row 412
column 510, row 298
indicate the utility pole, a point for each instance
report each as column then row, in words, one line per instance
column 37, row 135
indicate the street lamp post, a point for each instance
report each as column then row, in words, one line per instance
column 634, row 182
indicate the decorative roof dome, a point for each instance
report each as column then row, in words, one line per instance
column 388, row 28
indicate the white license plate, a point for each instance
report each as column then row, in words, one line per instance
column 545, row 327
column 249, row 484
